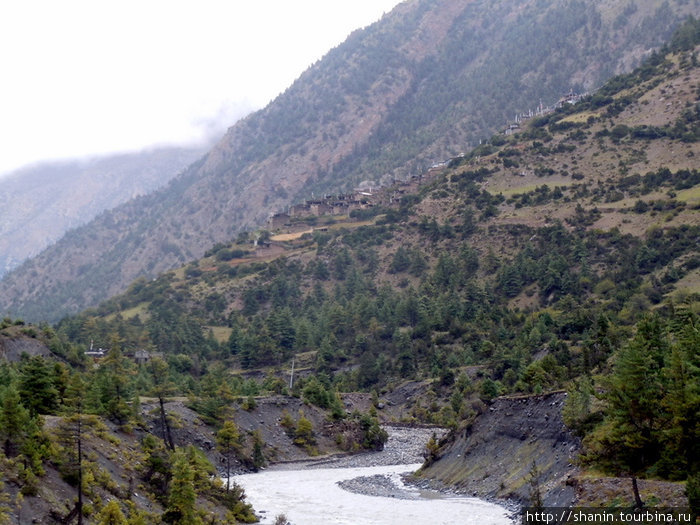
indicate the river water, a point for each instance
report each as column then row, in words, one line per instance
column 312, row 497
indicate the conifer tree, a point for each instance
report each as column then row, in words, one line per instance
column 228, row 442
column 431, row 451
column 535, row 492
column 577, row 406
column 114, row 382
column 304, row 433
column 37, row 388
column 72, row 434
column 630, row 439
column 111, row 514
column 4, row 505
column 14, row 419
column 182, row 498
column 258, row 455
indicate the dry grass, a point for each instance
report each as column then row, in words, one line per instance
column 282, row 237
column 352, row 224
column 138, row 310
column 690, row 283
column 342, row 222
column 515, row 190
column 580, row 117
column 596, row 490
column 221, row 333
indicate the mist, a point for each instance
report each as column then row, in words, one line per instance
column 85, row 79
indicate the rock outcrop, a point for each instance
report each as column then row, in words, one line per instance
column 12, row 348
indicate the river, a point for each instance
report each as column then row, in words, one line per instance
column 312, row 497
column 311, row 494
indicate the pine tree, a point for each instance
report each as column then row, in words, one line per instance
column 37, row 389
column 635, row 391
column 281, row 326
column 258, row 455
column 4, row 505
column 14, row 419
column 111, row 514
column 681, row 451
column 401, row 261
column 19, row 504
column 629, row 441
column 228, row 442
column 182, row 498
column 535, row 489
column 115, row 387
column 72, row 434
column 304, row 433
column 577, row 406
column 432, row 448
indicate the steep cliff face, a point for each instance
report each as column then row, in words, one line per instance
column 423, row 84
column 494, row 458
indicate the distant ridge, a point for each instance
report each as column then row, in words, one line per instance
column 38, row 204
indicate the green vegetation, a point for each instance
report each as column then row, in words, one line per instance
column 456, row 288
column 652, row 401
column 80, row 401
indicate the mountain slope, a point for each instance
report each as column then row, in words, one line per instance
column 40, row 203
column 422, row 84
column 535, row 263
column 507, row 256
column 564, row 255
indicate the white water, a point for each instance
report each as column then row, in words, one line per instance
column 312, row 497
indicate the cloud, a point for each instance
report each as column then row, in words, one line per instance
column 83, row 77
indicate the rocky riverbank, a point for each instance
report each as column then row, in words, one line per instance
column 405, row 446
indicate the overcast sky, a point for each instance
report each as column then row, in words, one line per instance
column 82, row 78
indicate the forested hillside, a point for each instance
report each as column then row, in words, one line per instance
column 426, row 83
column 561, row 256
column 588, row 211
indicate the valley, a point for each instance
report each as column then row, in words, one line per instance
column 517, row 318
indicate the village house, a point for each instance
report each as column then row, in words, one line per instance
column 278, row 220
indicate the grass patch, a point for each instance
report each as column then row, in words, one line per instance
column 353, row 224
column 508, row 192
column 221, row 333
column 290, row 236
column 688, row 284
column 580, row 117
column 138, row 310
column 341, row 222
column 689, row 195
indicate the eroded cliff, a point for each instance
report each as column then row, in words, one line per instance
column 494, row 457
